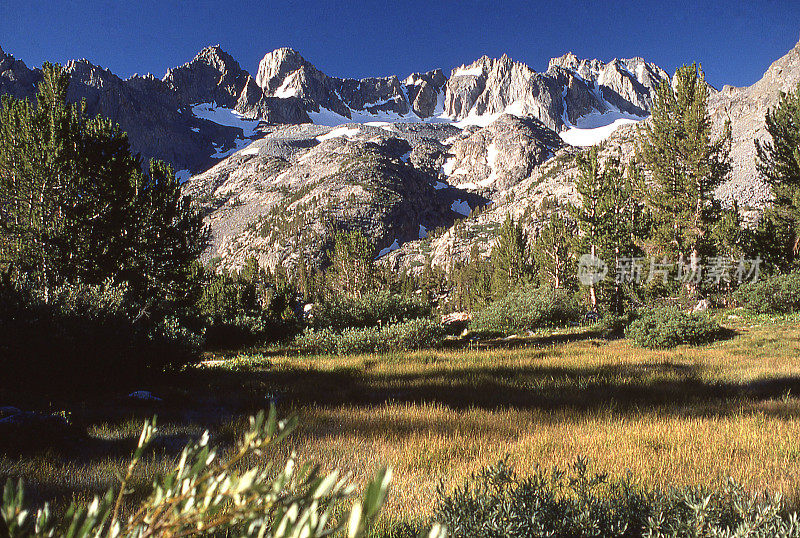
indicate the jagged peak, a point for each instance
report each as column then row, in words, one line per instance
column 212, row 55
column 284, row 54
column 279, row 63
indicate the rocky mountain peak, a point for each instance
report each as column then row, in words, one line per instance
column 212, row 76
column 15, row 77
column 567, row 61
column 279, row 64
column 425, row 92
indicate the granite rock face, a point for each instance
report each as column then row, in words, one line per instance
column 282, row 198
column 159, row 124
column 570, row 88
column 15, row 77
column 285, row 73
column 213, row 76
column 500, row 155
column 425, row 92
column 745, row 108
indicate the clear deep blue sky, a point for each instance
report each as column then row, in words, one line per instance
column 734, row 40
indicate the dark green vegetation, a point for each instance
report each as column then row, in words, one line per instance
column 668, row 327
column 779, row 294
column 95, row 253
column 527, row 309
column 576, row 502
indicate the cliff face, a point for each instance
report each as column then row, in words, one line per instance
column 745, row 108
column 282, row 159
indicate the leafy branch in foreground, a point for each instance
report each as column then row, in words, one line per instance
column 204, row 495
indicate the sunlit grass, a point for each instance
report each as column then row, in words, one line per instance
column 677, row 417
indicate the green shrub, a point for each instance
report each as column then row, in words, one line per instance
column 527, row 309
column 667, row 327
column 384, row 307
column 614, row 325
column 411, row 335
column 207, row 495
column 79, row 334
column 577, row 503
column 404, row 336
column 775, row 295
column 245, row 308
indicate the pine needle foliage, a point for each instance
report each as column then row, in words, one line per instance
column 685, row 165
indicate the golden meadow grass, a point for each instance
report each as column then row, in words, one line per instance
column 679, row 417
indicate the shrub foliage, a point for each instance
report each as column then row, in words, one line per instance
column 668, row 327
column 775, row 295
column 527, row 309
column 403, row 336
column 382, row 307
column 576, row 502
column 83, row 333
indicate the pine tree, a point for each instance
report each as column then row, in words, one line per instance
column 551, row 249
column 510, row 259
column 608, row 219
column 685, row 166
column 591, row 215
column 352, row 268
column 778, row 162
column 75, row 205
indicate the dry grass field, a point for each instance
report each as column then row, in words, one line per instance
column 684, row 416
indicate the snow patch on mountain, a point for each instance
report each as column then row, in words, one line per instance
column 475, row 71
column 346, row 132
column 226, row 117
column 594, row 128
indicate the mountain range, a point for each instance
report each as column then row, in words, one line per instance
column 279, row 160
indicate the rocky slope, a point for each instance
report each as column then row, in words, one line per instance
column 569, row 89
column 292, row 154
column 281, row 198
column 745, row 108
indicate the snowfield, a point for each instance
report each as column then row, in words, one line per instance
column 596, row 127
column 226, row 117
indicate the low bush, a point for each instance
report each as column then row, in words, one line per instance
column 667, row 327
column 248, row 330
column 244, row 309
column 206, row 495
column 80, row 334
column 578, row 503
column 774, row 295
column 404, row 336
column 614, row 325
column 527, row 309
column 382, row 307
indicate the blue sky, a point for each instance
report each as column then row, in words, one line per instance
column 734, row 40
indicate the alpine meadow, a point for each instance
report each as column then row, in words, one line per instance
column 482, row 302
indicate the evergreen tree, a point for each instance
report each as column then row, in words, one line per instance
column 471, row 282
column 551, row 250
column 685, row 166
column 608, row 220
column 352, row 268
column 75, row 205
column 778, row 162
column 510, row 259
